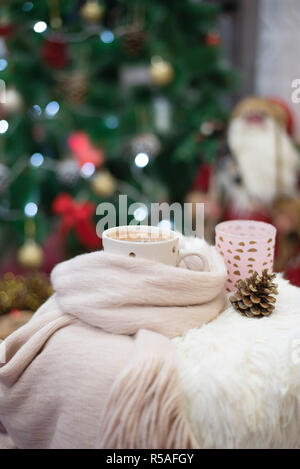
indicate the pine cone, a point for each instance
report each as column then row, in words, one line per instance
column 133, row 42
column 74, row 86
column 254, row 296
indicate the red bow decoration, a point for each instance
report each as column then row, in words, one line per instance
column 55, row 53
column 84, row 151
column 6, row 29
column 77, row 215
column 203, row 178
column 212, row 39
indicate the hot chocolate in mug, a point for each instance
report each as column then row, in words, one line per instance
column 148, row 242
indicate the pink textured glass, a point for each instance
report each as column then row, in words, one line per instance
column 246, row 246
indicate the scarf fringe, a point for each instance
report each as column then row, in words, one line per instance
column 144, row 409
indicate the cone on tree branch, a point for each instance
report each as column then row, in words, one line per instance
column 255, row 295
column 133, row 42
column 74, row 86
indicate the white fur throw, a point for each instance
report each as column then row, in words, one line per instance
column 241, row 377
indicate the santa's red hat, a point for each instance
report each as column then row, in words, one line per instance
column 273, row 107
column 288, row 112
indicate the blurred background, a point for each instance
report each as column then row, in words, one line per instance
column 186, row 101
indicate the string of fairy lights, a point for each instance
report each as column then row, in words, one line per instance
column 93, row 11
column 143, row 147
column 37, row 160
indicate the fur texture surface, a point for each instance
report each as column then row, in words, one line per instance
column 241, row 377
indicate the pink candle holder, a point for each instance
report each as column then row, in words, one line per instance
column 246, row 246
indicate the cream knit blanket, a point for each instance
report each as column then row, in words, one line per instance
column 95, row 367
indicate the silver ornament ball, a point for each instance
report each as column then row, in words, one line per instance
column 146, row 143
column 68, row 172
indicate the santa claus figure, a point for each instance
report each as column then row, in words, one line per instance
column 263, row 164
column 259, row 179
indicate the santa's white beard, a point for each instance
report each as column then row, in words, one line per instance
column 256, row 149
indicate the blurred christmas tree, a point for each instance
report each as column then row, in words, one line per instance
column 102, row 98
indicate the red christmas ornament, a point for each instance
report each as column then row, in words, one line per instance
column 6, row 29
column 78, row 216
column 84, row 151
column 53, row 248
column 55, row 53
column 212, row 39
column 203, row 178
column 292, row 272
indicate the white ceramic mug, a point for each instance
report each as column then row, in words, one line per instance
column 160, row 245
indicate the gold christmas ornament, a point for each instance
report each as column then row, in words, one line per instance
column 23, row 293
column 30, row 255
column 255, row 295
column 104, row 184
column 92, row 11
column 55, row 18
column 13, row 101
column 162, row 72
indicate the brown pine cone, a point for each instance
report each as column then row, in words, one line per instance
column 74, row 86
column 133, row 42
column 255, row 295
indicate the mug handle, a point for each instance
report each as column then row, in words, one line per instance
column 187, row 252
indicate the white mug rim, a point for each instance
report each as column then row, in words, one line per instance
column 175, row 235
